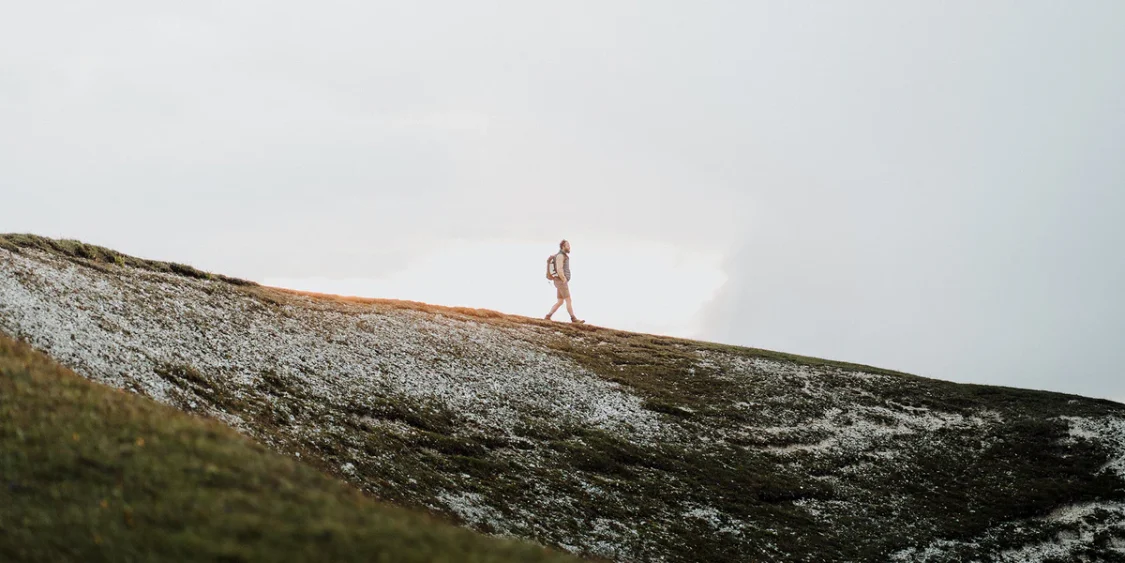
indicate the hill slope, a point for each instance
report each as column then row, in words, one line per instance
column 92, row 474
column 600, row 442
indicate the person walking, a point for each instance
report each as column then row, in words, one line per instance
column 560, row 274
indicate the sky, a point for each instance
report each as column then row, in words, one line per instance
column 937, row 188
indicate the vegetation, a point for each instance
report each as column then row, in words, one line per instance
column 955, row 484
column 748, row 454
column 97, row 256
column 95, row 474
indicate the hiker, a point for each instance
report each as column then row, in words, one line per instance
column 558, row 271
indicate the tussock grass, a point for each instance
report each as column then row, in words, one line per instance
column 95, row 474
column 956, row 488
column 757, row 454
column 97, row 256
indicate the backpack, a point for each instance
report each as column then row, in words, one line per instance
column 552, row 273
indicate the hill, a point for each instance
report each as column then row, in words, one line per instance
column 91, row 473
column 625, row 446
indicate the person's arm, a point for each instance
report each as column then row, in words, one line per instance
column 559, row 268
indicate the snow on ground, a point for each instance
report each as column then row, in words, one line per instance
column 124, row 326
column 471, row 507
column 120, row 330
column 1110, row 431
column 857, row 428
column 1084, row 523
column 1065, row 545
column 1090, row 519
column 845, row 424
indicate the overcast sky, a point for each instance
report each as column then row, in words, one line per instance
column 934, row 187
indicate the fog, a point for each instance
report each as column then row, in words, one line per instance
column 933, row 188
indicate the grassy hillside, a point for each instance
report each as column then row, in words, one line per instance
column 625, row 446
column 91, row 473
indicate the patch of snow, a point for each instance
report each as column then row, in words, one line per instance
column 858, row 427
column 1067, row 545
column 472, row 509
column 935, row 551
column 120, row 330
column 1107, row 430
column 705, row 513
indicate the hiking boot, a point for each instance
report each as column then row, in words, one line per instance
column 577, row 321
column 548, row 317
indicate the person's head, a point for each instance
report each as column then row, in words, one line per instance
column 565, row 246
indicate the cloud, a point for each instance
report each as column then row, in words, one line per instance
column 644, row 287
column 930, row 188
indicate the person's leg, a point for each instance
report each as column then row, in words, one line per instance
column 570, row 308
column 555, row 308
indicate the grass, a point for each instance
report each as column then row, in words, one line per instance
column 101, row 257
column 983, row 486
column 89, row 473
column 956, row 489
